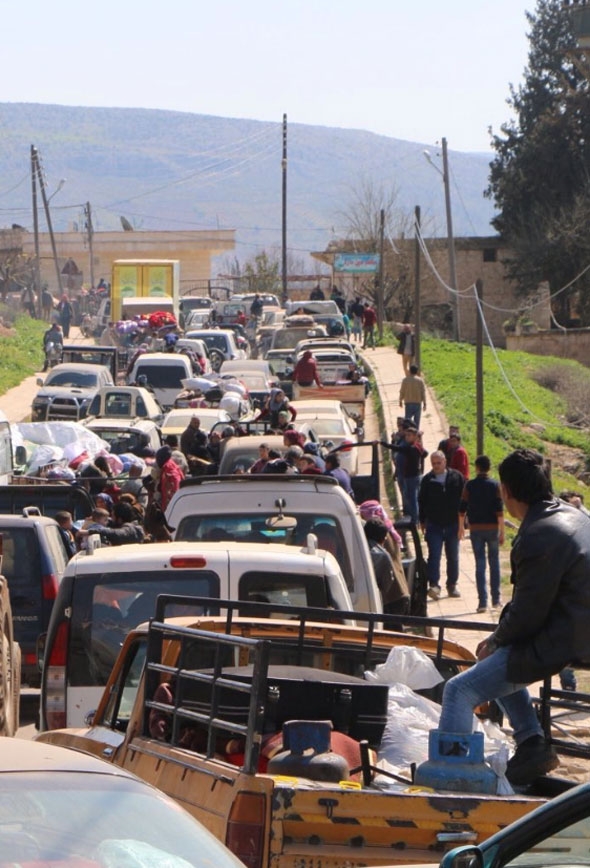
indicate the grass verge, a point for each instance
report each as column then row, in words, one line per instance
column 21, row 352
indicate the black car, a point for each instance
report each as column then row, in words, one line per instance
column 33, row 561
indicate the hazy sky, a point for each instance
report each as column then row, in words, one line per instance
column 409, row 69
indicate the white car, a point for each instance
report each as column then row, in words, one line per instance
column 330, row 422
column 176, row 421
column 221, row 344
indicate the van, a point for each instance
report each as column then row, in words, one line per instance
column 164, row 372
column 106, row 593
column 240, row 504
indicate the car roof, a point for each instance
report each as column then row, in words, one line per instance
column 235, row 444
column 166, row 358
column 328, row 405
column 11, row 520
column 78, row 367
column 136, row 557
column 20, row 755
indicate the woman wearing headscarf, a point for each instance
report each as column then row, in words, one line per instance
column 170, row 476
column 391, row 543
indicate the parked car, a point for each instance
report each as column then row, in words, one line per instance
column 189, row 303
column 125, row 402
column 255, row 374
column 132, row 435
column 33, row 561
column 63, row 807
column 555, row 834
column 164, row 372
column 239, row 453
column 197, row 319
column 332, row 426
column 176, row 421
column 67, row 392
column 221, row 344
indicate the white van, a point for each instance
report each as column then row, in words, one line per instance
column 246, row 506
column 106, row 593
column 164, row 373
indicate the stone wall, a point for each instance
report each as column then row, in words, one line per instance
column 570, row 344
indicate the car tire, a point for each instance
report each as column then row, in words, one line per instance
column 216, row 358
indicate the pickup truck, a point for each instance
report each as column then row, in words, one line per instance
column 196, row 707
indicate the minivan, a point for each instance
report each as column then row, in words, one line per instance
column 34, row 559
column 106, row 593
column 164, row 373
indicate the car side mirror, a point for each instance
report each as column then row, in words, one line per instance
column 463, row 857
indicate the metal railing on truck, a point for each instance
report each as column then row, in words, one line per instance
column 203, row 655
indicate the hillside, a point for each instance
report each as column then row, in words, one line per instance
column 174, row 170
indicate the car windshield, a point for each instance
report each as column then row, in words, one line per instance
column 326, row 427
column 106, row 607
column 289, row 338
column 77, row 379
column 121, row 442
column 103, row 820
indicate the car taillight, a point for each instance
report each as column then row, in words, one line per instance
column 49, row 586
column 245, row 828
column 55, row 678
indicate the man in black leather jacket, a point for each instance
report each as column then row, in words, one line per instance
column 545, row 625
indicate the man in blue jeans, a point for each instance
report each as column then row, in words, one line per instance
column 438, row 507
column 481, row 502
column 545, row 625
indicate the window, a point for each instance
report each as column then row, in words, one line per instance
column 285, row 589
column 490, row 254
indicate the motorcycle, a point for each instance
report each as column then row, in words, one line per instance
column 53, row 353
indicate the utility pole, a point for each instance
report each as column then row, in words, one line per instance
column 450, row 240
column 90, row 234
column 37, row 286
column 380, row 293
column 284, row 236
column 417, row 311
column 479, row 369
column 37, row 165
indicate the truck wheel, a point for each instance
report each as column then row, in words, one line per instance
column 6, row 685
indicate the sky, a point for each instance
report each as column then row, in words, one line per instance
column 416, row 70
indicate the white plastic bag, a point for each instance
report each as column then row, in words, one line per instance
column 406, row 665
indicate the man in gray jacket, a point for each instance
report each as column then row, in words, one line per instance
column 545, row 625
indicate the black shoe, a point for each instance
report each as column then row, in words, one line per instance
column 533, row 758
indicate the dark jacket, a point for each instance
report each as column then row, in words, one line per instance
column 127, row 533
column 439, row 503
column 482, row 502
column 547, row 621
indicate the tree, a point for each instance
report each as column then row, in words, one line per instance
column 540, row 176
column 262, row 273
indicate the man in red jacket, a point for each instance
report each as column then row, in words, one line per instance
column 369, row 323
column 306, row 371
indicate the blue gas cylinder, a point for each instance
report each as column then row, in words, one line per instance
column 456, row 763
column 307, row 753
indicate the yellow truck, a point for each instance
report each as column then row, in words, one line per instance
column 143, row 279
column 199, row 706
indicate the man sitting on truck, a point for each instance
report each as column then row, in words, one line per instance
column 545, row 625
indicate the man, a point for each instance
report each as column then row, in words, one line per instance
column 262, row 460
column 54, row 336
column 125, row 529
column 338, row 473
column 412, row 393
column 545, row 625
column 305, row 372
column 66, row 531
column 46, row 303
column 369, row 323
column 406, row 346
column 456, row 455
column 189, row 436
column 481, row 502
column 394, row 595
column 438, row 505
column 256, row 306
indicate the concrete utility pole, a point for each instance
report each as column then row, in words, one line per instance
column 284, row 236
column 451, row 240
column 90, row 234
column 381, row 293
column 417, row 310
column 37, row 165
column 479, row 370
column 37, row 286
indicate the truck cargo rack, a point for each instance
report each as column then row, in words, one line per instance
column 559, row 712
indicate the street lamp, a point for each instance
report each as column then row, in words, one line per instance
column 444, row 173
column 62, row 181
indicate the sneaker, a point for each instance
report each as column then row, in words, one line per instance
column 481, row 609
column 533, row 758
column 497, row 605
column 453, row 592
column 434, row 592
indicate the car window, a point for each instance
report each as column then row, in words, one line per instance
column 21, row 559
column 106, row 607
column 568, row 847
column 162, row 376
column 122, row 698
column 56, row 548
column 117, row 404
column 78, row 379
column 286, row 589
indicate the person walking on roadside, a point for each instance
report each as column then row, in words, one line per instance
column 369, row 323
column 412, row 394
column 542, row 629
column 406, row 346
column 66, row 314
column 481, row 502
column 457, row 457
column 438, row 505
column 412, row 455
column 46, row 303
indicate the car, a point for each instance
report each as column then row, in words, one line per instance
column 199, row 349
column 190, row 303
column 67, row 391
column 267, row 298
column 67, row 808
column 255, row 374
column 330, row 423
column 332, row 364
column 176, row 421
column 10, row 667
column 239, row 453
column 125, row 402
column 34, row 560
column 555, row 834
column 164, row 373
column 221, row 344
column 197, row 319
column 127, row 435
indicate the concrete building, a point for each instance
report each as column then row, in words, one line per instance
column 194, row 249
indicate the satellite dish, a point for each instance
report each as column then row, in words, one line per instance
column 126, row 224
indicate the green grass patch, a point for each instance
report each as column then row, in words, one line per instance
column 21, row 355
column 518, row 410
